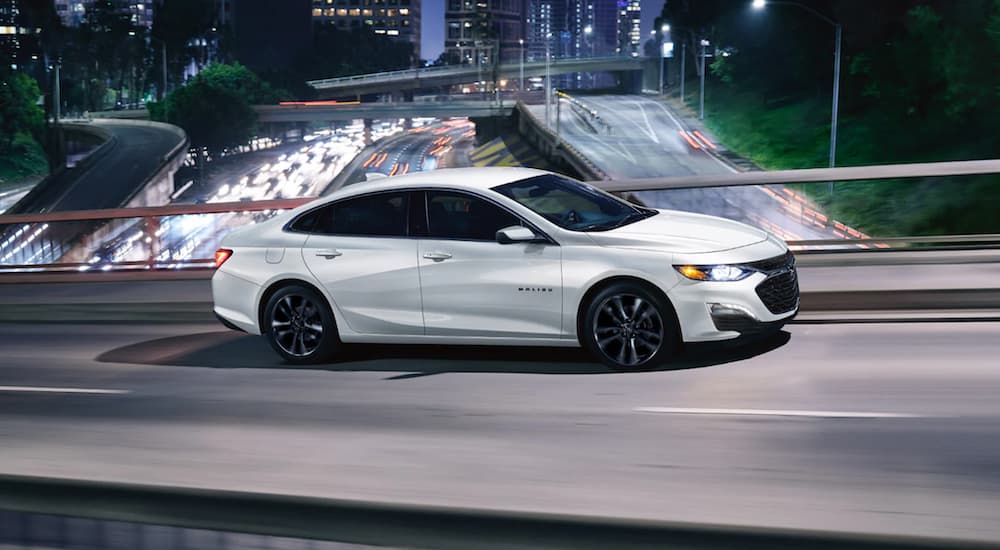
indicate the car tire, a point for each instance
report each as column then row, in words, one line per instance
column 299, row 326
column 629, row 327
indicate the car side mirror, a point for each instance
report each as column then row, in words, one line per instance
column 516, row 234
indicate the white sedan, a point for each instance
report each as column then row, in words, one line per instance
column 500, row 256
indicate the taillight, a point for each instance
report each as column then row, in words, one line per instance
column 221, row 255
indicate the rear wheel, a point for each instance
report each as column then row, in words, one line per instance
column 300, row 326
column 628, row 327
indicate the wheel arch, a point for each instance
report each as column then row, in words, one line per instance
column 598, row 286
column 274, row 287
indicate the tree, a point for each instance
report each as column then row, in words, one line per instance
column 20, row 114
column 215, row 107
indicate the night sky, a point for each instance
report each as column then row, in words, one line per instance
column 432, row 19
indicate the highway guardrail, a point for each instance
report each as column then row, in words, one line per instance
column 23, row 232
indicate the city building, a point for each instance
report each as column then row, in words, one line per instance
column 594, row 28
column 629, row 28
column 18, row 43
column 477, row 30
column 398, row 19
column 267, row 38
column 74, row 12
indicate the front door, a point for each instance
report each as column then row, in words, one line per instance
column 473, row 286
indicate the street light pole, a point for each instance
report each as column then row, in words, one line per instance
column 520, row 89
column 587, row 32
column 56, row 100
column 548, row 79
column 684, row 48
column 836, row 102
column 661, row 64
column 701, row 112
column 838, row 31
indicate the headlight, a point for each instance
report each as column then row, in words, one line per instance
column 714, row 272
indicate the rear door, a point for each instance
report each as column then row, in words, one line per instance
column 359, row 250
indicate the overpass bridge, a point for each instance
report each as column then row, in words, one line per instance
column 305, row 112
column 450, row 75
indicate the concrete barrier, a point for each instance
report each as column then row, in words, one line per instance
column 554, row 148
column 57, row 502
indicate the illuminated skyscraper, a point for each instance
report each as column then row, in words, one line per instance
column 399, row 19
column 475, row 28
column 629, row 37
column 74, row 12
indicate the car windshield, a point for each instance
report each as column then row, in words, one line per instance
column 573, row 205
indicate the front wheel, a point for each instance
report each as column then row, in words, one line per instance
column 629, row 328
column 300, row 326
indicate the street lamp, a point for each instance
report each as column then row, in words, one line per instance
column 663, row 31
column 587, row 31
column 701, row 112
column 520, row 89
column 548, row 78
column 760, row 4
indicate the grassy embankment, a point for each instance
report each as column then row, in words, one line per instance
column 787, row 133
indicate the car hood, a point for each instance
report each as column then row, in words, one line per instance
column 681, row 232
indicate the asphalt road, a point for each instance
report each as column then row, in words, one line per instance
column 134, row 155
column 887, row 428
column 425, row 148
column 645, row 141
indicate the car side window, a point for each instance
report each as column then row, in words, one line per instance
column 461, row 216
column 379, row 215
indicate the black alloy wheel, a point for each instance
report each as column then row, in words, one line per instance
column 629, row 328
column 300, row 326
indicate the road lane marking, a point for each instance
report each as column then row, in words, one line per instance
column 770, row 412
column 41, row 389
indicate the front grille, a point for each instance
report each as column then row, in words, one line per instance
column 775, row 263
column 780, row 293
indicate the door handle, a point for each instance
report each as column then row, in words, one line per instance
column 437, row 256
column 329, row 253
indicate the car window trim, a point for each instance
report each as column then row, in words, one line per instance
column 408, row 191
column 406, row 197
column 520, row 218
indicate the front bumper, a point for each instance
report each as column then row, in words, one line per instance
column 734, row 320
column 711, row 311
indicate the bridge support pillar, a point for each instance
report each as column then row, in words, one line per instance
column 368, row 132
column 490, row 127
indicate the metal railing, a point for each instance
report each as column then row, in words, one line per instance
column 186, row 235
column 179, row 236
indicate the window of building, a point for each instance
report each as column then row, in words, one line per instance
column 341, row 12
column 404, row 11
column 366, row 12
column 355, row 12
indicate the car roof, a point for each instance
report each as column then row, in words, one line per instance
column 460, row 178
